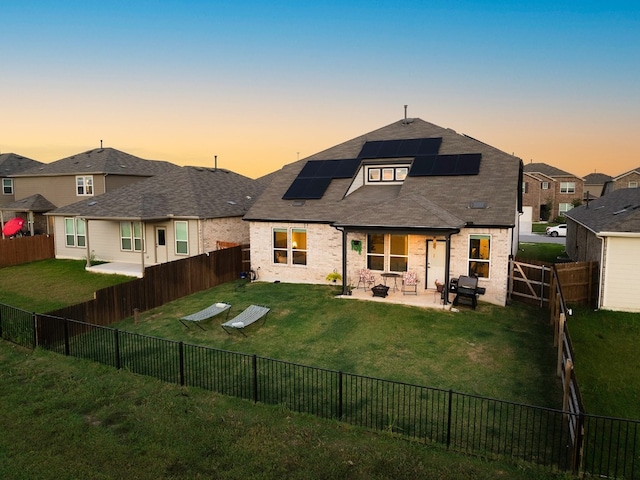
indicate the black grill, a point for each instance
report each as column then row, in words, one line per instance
column 466, row 289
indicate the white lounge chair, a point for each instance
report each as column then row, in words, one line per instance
column 211, row 311
column 250, row 315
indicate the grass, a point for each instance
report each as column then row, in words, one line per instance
column 504, row 353
column 64, row 418
column 606, row 363
column 51, row 284
column 544, row 252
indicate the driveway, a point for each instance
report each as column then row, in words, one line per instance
column 540, row 238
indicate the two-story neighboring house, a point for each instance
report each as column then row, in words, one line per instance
column 411, row 198
column 11, row 164
column 630, row 179
column 594, row 184
column 77, row 177
column 549, row 191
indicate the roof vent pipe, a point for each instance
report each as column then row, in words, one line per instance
column 100, row 144
column 215, row 162
column 405, row 114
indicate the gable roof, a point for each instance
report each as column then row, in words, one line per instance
column 617, row 211
column 425, row 202
column 11, row 163
column 635, row 170
column 547, row 170
column 189, row 192
column 596, row 179
column 32, row 203
column 101, row 161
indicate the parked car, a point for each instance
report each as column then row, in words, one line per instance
column 558, row 230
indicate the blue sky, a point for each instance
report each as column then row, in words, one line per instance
column 261, row 84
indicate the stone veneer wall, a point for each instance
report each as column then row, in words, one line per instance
column 231, row 229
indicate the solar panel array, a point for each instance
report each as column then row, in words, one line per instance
column 444, row 165
column 412, row 147
column 316, row 175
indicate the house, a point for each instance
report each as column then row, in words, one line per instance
column 10, row 164
column 629, row 179
column 408, row 197
column 185, row 212
column 607, row 230
column 594, row 184
column 80, row 176
column 549, row 191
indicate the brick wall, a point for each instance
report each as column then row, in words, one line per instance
column 232, row 230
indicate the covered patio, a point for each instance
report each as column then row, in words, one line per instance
column 429, row 298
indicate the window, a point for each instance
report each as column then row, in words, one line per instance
column 525, row 187
column 84, row 185
column 545, row 185
column 75, row 232
column 290, row 245
column 182, row 238
column 387, row 252
column 567, row 187
column 7, row 186
column 479, row 255
column 131, row 236
column 633, row 184
column 387, row 174
column 564, row 207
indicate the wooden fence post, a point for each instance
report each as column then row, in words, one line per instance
column 568, row 366
column 560, row 343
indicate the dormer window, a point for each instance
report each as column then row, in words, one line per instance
column 388, row 174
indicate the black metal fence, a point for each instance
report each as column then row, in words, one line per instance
column 465, row 423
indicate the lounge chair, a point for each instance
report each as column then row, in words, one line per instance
column 212, row 311
column 250, row 315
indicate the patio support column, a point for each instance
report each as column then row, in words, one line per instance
column 144, row 244
column 86, row 237
column 344, row 262
column 447, row 265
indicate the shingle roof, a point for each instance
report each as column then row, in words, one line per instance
column 189, row 192
column 617, row 211
column 11, row 163
column 545, row 169
column 101, row 161
column 33, row 203
column 635, row 170
column 596, row 179
column 432, row 202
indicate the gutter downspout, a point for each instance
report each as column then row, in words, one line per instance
column 86, row 233
column 601, row 282
column 447, row 266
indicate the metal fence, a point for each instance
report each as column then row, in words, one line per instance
column 466, row 423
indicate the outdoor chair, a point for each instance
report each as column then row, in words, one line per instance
column 409, row 283
column 251, row 314
column 439, row 293
column 212, row 311
column 366, row 278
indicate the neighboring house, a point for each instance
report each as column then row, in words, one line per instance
column 10, row 164
column 186, row 212
column 607, row 230
column 594, row 185
column 629, row 179
column 549, row 191
column 409, row 197
column 83, row 175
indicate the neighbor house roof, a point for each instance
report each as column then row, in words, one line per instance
column 596, row 179
column 101, row 161
column 487, row 197
column 545, row 169
column 11, row 163
column 189, row 192
column 617, row 211
column 32, row 203
column 635, row 170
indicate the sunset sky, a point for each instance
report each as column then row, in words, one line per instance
column 261, row 84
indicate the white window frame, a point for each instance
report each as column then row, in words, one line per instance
column 386, row 174
column 290, row 246
column 475, row 258
column 181, row 244
column 564, row 207
column 545, row 185
column 525, row 187
column 84, row 185
column 134, row 237
column 633, row 184
column 387, row 254
column 7, row 186
column 75, row 231
column 567, row 187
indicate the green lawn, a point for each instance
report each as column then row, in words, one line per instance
column 64, row 418
column 51, row 284
column 504, row 353
column 544, row 252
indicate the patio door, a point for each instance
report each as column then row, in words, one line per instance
column 436, row 254
column 161, row 245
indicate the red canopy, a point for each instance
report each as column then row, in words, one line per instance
column 13, row 226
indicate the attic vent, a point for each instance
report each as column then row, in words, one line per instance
column 298, row 203
column 478, row 205
column 231, row 202
column 91, row 204
column 123, row 166
column 620, row 211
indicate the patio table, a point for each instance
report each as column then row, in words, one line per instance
column 393, row 275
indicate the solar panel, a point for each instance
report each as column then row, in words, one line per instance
column 468, row 164
column 429, row 146
column 307, row 188
column 389, row 149
column 444, row 165
column 347, row 168
column 422, row 166
column 327, row 169
column 370, row 149
column 409, row 148
column 310, row 168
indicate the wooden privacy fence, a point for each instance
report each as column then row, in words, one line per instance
column 161, row 284
column 15, row 251
column 530, row 281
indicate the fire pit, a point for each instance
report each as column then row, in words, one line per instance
column 380, row 291
column 466, row 290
